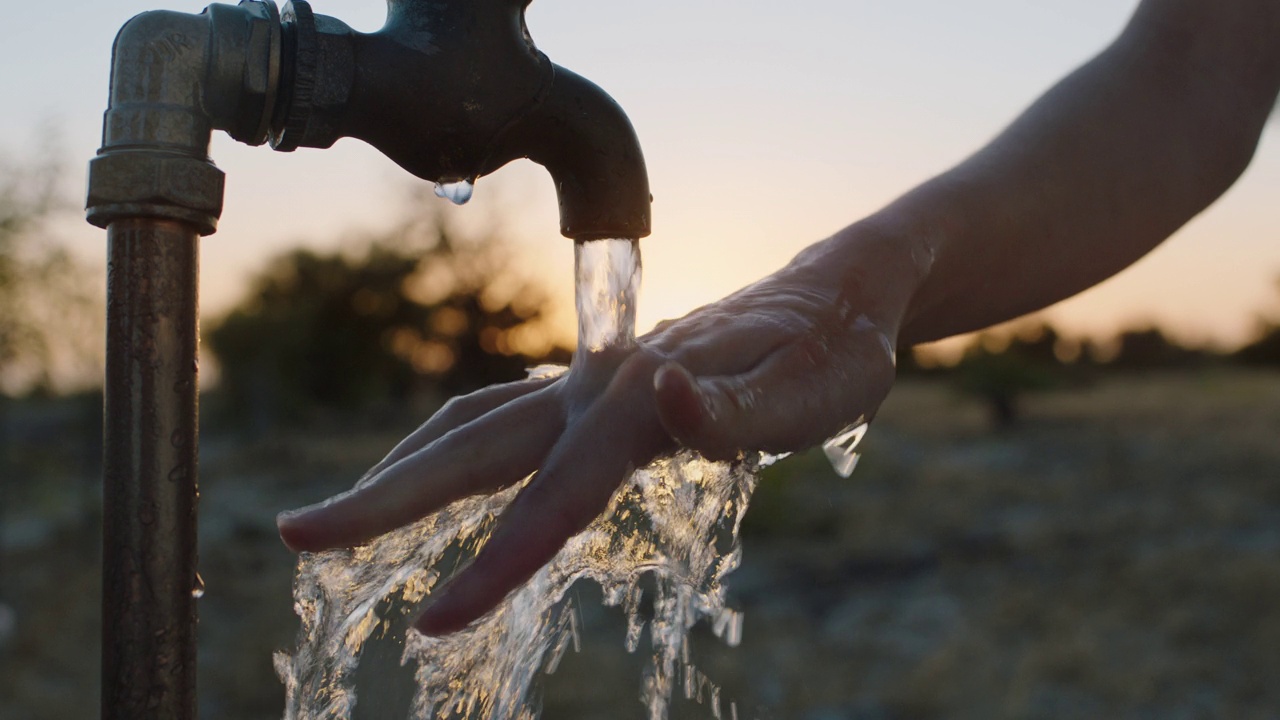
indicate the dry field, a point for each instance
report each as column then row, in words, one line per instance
column 1117, row 555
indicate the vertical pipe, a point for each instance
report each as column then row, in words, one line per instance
column 149, row 495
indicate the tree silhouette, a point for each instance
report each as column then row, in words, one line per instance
column 49, row 314
column 1265, row 349
column 1150, row 349
column 1001, row 370
column 421, row 309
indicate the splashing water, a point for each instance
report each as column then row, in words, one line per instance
column 457, row 193
column 676, row 520
column 841, row 449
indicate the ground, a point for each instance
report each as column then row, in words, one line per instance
column 1116, row 555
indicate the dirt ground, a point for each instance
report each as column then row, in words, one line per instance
column 1115, row 555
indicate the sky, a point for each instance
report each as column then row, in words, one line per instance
column 766, row 126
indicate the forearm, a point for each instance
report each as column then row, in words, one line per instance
column 1094, row 174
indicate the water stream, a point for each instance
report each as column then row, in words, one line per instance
column 675, row 521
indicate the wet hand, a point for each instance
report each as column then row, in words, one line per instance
column 778, row 366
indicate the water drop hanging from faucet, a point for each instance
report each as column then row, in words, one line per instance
column 457, row 193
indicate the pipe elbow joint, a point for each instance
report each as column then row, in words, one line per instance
column 157, row 72
column 176, row 77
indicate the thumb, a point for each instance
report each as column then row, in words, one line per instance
column 717, row 416
column 788, row 402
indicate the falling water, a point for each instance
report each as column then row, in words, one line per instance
column 676, row 520
column 608, row 280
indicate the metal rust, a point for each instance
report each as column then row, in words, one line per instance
column 149, row 483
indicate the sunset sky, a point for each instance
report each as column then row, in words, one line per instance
column 766, row 126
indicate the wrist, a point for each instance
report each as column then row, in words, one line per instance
column 874, row 268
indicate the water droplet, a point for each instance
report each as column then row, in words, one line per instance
column 457, row 193
column 197, row 592
column 840, row 449
column 767, row 459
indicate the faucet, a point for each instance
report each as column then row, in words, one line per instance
column 450, row 90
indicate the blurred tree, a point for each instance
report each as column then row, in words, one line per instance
column 48, row 311
column 50, row 339
column 1150, row 349
column 1264, row 351
column 1001, row 368
column 1265, row 348
column 422, row 308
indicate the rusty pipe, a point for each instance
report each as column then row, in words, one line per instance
column 175, row 78
column 149, row 482
column 448, row 89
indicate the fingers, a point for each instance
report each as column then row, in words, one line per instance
column 572, row 488
column 458, row 412
column 794, row 398
column 493, row 451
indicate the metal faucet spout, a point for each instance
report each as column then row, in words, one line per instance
column 454, row 89
column 586, row 142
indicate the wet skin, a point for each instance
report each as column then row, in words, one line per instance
column 778, row 366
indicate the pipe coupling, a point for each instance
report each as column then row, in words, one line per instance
column 156, row 184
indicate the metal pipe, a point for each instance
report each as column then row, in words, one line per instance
column 149, row 489
column 175, row 78
column 448, row 89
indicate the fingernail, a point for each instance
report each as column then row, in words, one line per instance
column 671, row 373
column 289, row 529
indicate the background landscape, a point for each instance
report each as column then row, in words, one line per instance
column 1054, row 526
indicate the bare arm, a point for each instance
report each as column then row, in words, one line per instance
column 1096, row 173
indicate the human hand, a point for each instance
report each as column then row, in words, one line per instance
column 778, row 366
